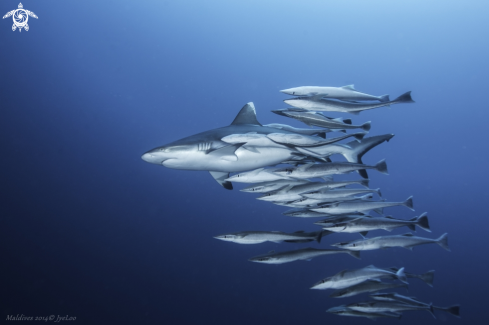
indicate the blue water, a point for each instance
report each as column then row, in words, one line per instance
column 90, row 230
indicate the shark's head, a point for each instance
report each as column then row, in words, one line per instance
column 292, row 91
column 340, row 310
column 353, row 245
column 326, row 283
column 264, row 259
column 169, row 155
column 228, row 237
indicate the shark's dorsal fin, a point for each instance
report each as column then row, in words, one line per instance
column 349, row 87
column 247, row 115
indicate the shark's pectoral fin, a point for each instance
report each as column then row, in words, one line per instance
column 227, row 153
column 220, row 178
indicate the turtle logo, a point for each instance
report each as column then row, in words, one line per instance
column 20, row 17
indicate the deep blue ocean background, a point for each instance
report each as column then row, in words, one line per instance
column 88, row 229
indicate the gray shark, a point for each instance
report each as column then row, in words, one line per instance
column 319, row 132
column 258, row 237
column 370, row 285
column 316, row 119
column 345, row 311
column 297, row 255
column 362, row 225
column 345, row 93
column 327, row 105
column 206, row 151
column 348, row 278
column 395, row 297
column 407, row 241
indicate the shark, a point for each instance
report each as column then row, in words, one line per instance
column 207, row 152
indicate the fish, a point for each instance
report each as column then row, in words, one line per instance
column 317, row 119
column 370, row 285
column 341, row 218
column 301, row 140
column 407, row 241
column 304, row 213
column 345, row 311
column 327, row 105
column 315, row 203
column 387, row 307
column 345, row 93
column 395, row 297
column 427, row 277
column 207, row 152
column 318, row 132
column 292, row 193
column 270, row 186
column 363, row 226
column 332, row 168
column 257, row 176
column 352, row 151
column 296, row 255
column 258, row 237
column 348, row 278
column 362, row 206
column 338, row 193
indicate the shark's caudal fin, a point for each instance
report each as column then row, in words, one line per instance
column 220, row 178
column 404, row 98
column 428, row 277
column 409, row 203
column 443, row 241
column 454, row 310
column 247, row 115
column 422, row 222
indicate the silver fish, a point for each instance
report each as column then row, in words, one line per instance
column 345, row 93
column 296, row 255
column 406, row 241
column 370, row 285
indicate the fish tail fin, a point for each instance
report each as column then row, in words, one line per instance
column 401, row 275
column 384, row 98
column 366, row 126
column 404, row 98
column 355, row 254
column 364, row 182
column 428, row 277
column 422, row 222
column 443, row 241
column 454, row 310
column 409, row 203
column 381, row 166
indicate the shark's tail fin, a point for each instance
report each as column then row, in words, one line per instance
column 428, row 277
column 409, row 203
column 404, row 98
column 422, row 222
column 366, row 126
column 401, row 275
column 384, row 98
column 443, row 241
column 454, row 310
column 381, row 166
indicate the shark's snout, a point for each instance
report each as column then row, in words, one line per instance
column 147, row 157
